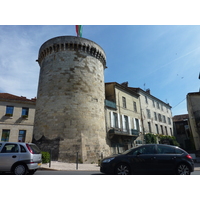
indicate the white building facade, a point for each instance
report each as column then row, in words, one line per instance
column 156, row 115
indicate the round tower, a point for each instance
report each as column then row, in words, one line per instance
column 69, row 115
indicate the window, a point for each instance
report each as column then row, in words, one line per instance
column 170, row 131
column 10, row 148
column 161, row 129
column 149, row 126
column 158, row 105
column 134, row 106
column 169, row 121
column 22, row 149
column 153, row 103
column 165, row 150
column 5, row 135
column 126, row 123
column 124, row 102
column 148, row 114
column 178, row 151
column 9, row 110
column 159, row 118
column 149, row 149
column 22, row 136
column 157, row 131
column 115, row 120
column 164, row 119
column 155, row 116
column 137, row 124
column 166, row 130
column 146, row 99
column 25, row 112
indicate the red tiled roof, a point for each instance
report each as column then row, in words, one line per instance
column 8, row 96
column 180, row 117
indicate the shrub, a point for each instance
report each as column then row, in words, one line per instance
column 45, row 157
column 168, row 139
column 150, row 138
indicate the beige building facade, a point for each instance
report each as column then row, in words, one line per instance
column 16, row 118
column 122, row 116
column 156, row 115
column 193, row 107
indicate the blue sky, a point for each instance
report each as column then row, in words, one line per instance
column 165, row 59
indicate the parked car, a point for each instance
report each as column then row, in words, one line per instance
column 150, row 158
column 19, row 158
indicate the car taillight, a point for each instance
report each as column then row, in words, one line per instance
column 29, row 148
column 189, row 156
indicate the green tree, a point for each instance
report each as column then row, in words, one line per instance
column 150, row 138
column 166, row 139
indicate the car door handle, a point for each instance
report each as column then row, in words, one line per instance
column 14, row 156
column 173, row 158
column 153, row 158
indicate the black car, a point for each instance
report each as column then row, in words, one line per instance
column 150, row 158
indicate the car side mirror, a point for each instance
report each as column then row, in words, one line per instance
column 138, row 153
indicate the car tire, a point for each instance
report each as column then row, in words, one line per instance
column 20, row 169
column 183, row 169
column 122, row 169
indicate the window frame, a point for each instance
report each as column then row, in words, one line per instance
column 23, row 138
column 124, row 102
column 25, row 111
column 9, row 110
column 3, row 133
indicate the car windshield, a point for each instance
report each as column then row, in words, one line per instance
column 129, row 150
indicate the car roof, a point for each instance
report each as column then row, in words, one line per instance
column 15, row 143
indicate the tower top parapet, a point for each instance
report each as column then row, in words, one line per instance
column 72, row 43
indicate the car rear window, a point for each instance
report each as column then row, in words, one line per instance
column 165, row 150
column 179, row 151
column 35, row 149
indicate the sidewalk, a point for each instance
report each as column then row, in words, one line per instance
column 55, row 165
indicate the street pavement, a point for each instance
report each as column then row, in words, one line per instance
column 55, row 165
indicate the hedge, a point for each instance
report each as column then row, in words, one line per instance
column 45, row 157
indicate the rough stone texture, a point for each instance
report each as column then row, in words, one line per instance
column 70, row 101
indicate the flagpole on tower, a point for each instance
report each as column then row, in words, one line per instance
column 79, row 29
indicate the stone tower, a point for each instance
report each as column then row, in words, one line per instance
column 69, row 114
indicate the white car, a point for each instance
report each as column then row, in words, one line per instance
column 19, row 158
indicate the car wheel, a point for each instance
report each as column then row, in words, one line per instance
column 20, row 169
column 122, row 169
column 183, row 169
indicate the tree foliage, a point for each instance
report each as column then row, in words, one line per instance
column 163, row 139
column 150, row 138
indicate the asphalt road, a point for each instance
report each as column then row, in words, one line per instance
column 52, row 172
column 76, row 172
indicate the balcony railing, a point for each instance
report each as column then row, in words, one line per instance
column 135, row 132
column 110, row 104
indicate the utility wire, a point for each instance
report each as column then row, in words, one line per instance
column 179, row 103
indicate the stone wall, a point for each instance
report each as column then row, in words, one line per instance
column 70, row 101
